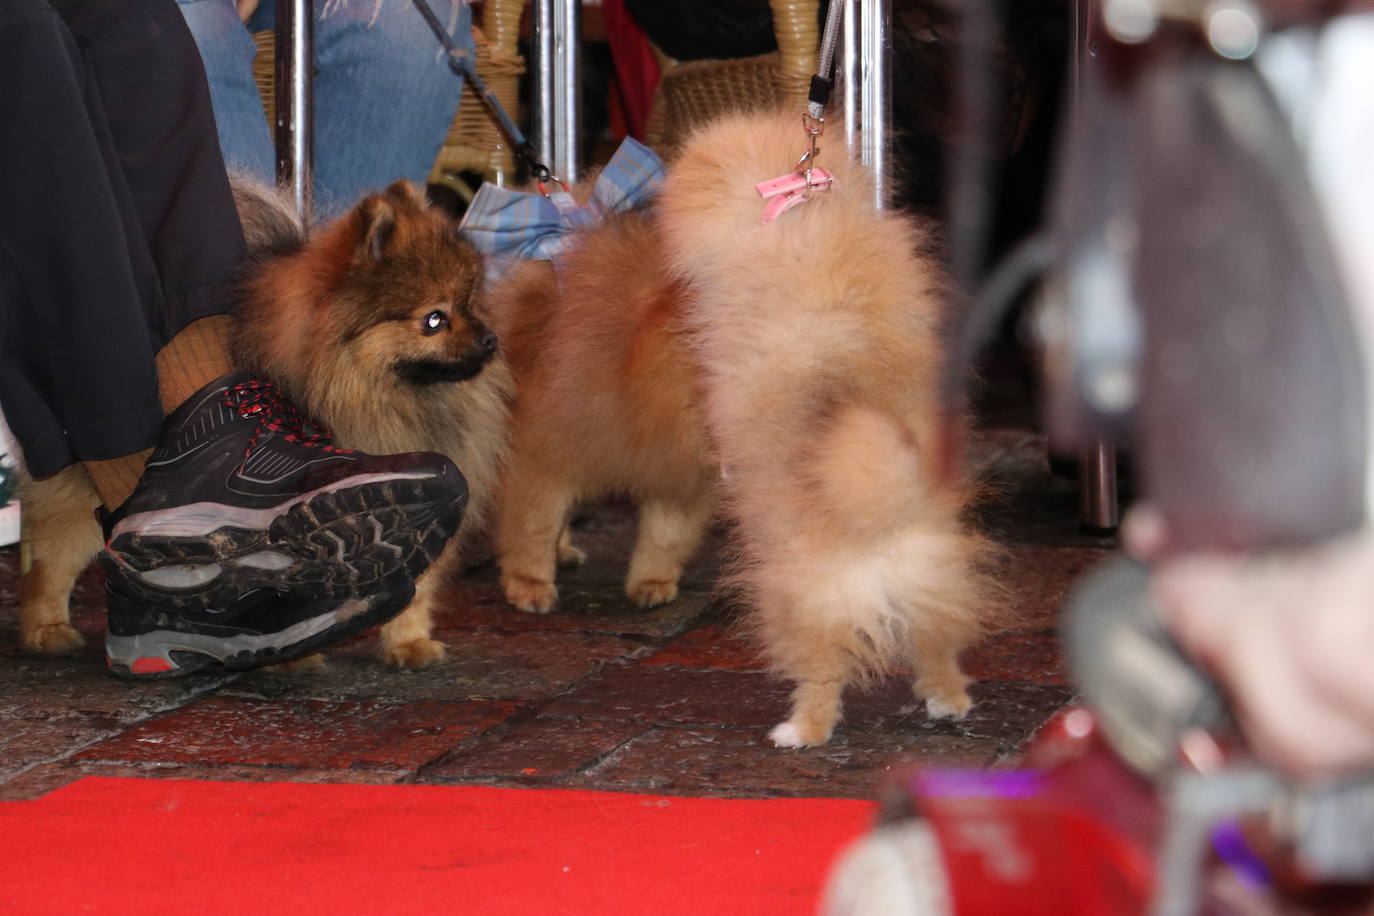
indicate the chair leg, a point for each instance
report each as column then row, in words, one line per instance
column 1099, row 510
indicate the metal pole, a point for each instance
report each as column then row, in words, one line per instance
column 849, row 77
column 865, row 74
column 558, row 85
column 875, row 41
column 1097, row 490
column 1098, row 506
column 295, row 128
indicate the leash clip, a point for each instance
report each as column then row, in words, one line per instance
column 785, row 192
column 542, row 176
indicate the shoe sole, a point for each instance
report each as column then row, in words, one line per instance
column 164, row 654
column 335, row 544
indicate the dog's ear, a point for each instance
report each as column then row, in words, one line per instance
column 407, row 194
column 378, row 219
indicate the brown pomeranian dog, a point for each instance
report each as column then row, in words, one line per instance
column 375, row 328
column 818, row 335
column 372, row 327
column 606, row 403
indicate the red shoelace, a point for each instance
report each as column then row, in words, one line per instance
column 263, row 400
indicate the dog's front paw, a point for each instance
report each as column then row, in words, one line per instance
column 53, row 639
column 649, row 593
column 415, row 653
column 530, row 595
column 790, row 734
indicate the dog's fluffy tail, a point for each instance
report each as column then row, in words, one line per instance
column 711, row 212
column 868, row 474
column 271, row 224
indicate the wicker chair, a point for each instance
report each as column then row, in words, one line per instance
column 474, row 142
column 692, row 92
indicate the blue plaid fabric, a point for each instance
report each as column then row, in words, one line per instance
column 506, row 224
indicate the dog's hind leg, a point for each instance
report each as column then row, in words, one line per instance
column 533, row 516
column 935, row 647
column 816, row 701
column 61, row 537
column 817, row 660
column 669, row 533
column 406, row 640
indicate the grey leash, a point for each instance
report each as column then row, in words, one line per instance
column 461, row 62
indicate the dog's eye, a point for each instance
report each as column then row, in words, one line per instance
column 434, row 322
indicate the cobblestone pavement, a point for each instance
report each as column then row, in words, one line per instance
column 596, row 695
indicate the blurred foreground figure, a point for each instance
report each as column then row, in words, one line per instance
column 1209, row 297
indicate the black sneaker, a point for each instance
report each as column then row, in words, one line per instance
column 248, row 534
column 261, row 628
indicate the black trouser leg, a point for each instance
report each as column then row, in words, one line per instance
column 117, row 227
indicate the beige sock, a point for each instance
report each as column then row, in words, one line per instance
column 116, row 478
column 199, row 354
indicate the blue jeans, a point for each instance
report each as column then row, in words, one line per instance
column 384, row 94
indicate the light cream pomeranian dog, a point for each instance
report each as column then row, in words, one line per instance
column 819, row 337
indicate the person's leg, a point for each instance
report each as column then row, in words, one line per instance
column 157, row 140
column 73, row 284
column 385, row 96
column 227, row 50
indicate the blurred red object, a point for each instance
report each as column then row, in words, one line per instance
column 636, row 70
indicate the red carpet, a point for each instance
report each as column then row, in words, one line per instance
column 132, row 845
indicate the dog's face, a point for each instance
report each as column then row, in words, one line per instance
column 406, row 303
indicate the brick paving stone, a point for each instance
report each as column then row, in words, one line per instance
column 537, row 751
column 1029, row 657
column 304, row 735
column 677, row 696
column 36, row 687
column 1004, row 711
column 480, row 665
column 742, row 762
column 29, row 741
column 479, row 603
column 44, row 779
column 715, row 645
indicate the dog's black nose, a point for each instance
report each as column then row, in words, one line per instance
column 486, row 342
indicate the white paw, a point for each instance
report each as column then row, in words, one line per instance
column 945, row 709
column 786, row 735
column 789, row 734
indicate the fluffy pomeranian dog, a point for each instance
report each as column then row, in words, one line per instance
column 372, row 326
column 607, row 403
column 819, row 339
column 375, row 327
